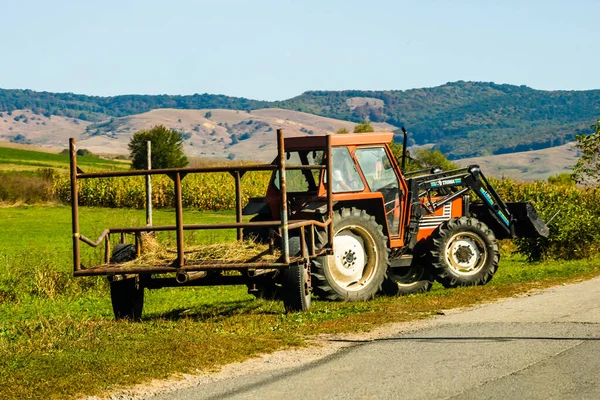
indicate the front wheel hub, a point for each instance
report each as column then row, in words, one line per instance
column 466, row 253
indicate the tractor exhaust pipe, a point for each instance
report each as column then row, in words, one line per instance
column 183, row 277
column 404, row 143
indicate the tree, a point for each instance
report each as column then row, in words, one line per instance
column 363, row 127
column 423, row 158
column 587, row 168
column 167, row 148
column 342, row 130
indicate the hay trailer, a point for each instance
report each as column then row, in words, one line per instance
column 294, row 241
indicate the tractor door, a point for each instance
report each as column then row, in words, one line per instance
column 379, row 172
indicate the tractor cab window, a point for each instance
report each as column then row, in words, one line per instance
column 377, row 168
column 381, row 177
column 301, row 180
column 345, row 175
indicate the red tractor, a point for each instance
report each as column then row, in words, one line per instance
column 346, row 219
column 392, row 231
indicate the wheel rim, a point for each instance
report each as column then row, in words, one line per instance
column 466, row 253
column 355, row 258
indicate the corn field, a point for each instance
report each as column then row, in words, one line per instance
column 209, row 192
column 574, row 231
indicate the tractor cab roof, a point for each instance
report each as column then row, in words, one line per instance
column 310, row 142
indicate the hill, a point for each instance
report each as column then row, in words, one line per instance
column 467, row 119
column 529, row 165
column 463, row 119
column 213, row 133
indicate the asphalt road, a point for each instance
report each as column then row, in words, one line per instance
column 545, row 346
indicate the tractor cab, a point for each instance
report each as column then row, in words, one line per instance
column 364, row 175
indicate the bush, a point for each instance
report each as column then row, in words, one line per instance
column 364, row 127
column 27, row 187
column 574, row 232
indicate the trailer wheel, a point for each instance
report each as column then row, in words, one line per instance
column 296, row 287
column 464, row 252
column 127, row 295
column 358, row 267
column 408, row 280
column 264, row 287
column 267, row 286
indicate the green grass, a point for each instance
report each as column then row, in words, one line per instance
column 58, row 338
column 17, row 158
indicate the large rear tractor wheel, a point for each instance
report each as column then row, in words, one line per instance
column 127, row 294
column 356, row 270
column 402, row 281
column 464, row 252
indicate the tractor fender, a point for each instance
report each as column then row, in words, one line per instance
column 373, row 206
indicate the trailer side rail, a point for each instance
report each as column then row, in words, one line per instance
column 180, row 263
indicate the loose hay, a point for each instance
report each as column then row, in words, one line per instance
column 154, row 252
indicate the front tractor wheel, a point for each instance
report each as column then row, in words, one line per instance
column 464, row 253
column 358, row 266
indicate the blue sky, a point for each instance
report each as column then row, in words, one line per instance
column 274, row 50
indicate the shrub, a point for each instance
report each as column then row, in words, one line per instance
column 27, row 187
column 574, row 231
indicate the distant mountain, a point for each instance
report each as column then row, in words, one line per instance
column 467, row 119
column 528, row 165
column 212, row 133
column 96, row 108
column 463, row 119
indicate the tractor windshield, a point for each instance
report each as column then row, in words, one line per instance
column 301, row 180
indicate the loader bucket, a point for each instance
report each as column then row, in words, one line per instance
column 527, row 221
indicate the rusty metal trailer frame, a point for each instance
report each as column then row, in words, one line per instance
column 308, row 250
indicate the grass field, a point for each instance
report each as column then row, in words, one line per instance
column 58, row 338
column 18, row 159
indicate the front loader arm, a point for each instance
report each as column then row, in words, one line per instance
column 449, row 185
